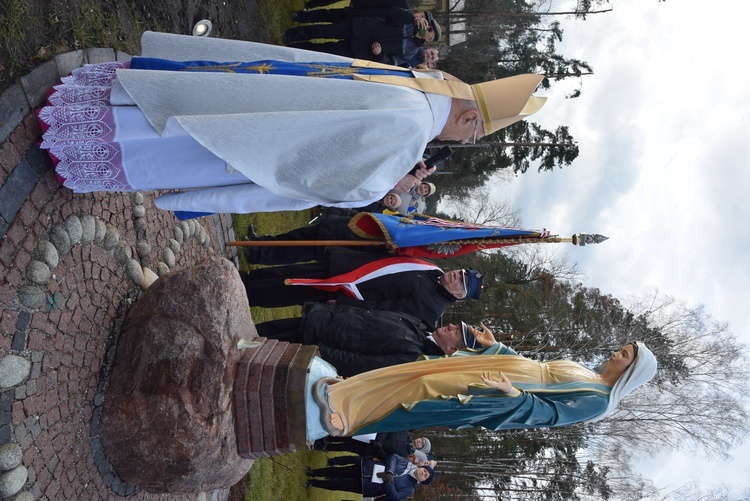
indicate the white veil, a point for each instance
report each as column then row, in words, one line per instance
column 640, row 372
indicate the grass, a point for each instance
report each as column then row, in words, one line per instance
column 269, row 223
column 31, row 36
column 281, row 477
column 90, row 26
column 14, row 18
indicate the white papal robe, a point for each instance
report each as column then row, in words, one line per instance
column 297, row 141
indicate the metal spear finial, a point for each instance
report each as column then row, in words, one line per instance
column 582, row 239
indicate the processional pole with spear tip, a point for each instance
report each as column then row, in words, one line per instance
column 443, row 248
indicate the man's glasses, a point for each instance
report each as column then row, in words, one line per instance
column 474, row 138
column 463, row 281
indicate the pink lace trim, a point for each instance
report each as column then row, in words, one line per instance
column 91, row 167
column 65, row 95
column 81, row 130
column 77, row 124
column 97, row 75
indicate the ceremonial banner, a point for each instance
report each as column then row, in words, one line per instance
column 424, row 236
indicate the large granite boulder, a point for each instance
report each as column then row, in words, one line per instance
column 167, row 423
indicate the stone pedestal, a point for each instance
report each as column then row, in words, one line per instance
column 269, row 398
column 167, row 422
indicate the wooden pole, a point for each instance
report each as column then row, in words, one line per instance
column 305, row 243
column 522, row 239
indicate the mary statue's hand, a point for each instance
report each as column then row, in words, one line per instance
column 503, row 385
column 484, row 336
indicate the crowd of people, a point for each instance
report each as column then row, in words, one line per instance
column 389, row 464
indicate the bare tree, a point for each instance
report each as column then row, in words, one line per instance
column 541, row 260
column 695, row 491
column 482, row 208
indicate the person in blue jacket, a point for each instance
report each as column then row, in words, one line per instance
column 399, row 480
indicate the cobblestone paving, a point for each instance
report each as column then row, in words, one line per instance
column 50, row 414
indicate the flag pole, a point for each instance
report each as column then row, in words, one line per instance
column 579, row 239
column 305, row 243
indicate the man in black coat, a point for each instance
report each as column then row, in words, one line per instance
column 328, row 227
column 356, row 340
column 413, row 286
column 393, row 39
column 362, row 8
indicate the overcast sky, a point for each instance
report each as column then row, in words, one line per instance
column 663, row 129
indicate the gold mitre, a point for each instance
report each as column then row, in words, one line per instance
column 506, row 101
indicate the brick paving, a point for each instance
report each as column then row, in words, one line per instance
column 51, row 414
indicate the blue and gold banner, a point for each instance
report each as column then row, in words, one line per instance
column 266, row 67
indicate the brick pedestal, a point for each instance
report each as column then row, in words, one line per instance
column 269, row 398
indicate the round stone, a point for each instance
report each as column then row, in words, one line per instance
column 11, row 482
column 177, row 232
column 47, row 253
column 149, row 277
column 142, row 248
column 31, row 296
column 139, row 211
column 60, row 239
column 139, row 224
column 74, row 229
column 111, row 238
column 134, row 271
column 168, row 256
column 138, row 198
column 207, row 242
column 174, row 245
column 161, row 269
column 10, row 456
column 202, row 235
column 186, row 230
column 88, row 229
column 13, row 370
column 37, row 272
column 123, row 252
column 99, row 231
column 193, row 224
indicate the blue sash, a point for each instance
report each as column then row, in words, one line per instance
column 269, row 67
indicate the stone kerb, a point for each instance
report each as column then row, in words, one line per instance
column 31, row 90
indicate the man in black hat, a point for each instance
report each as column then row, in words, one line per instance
column 356, row 340
column 393, row 39
column 408, row 285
